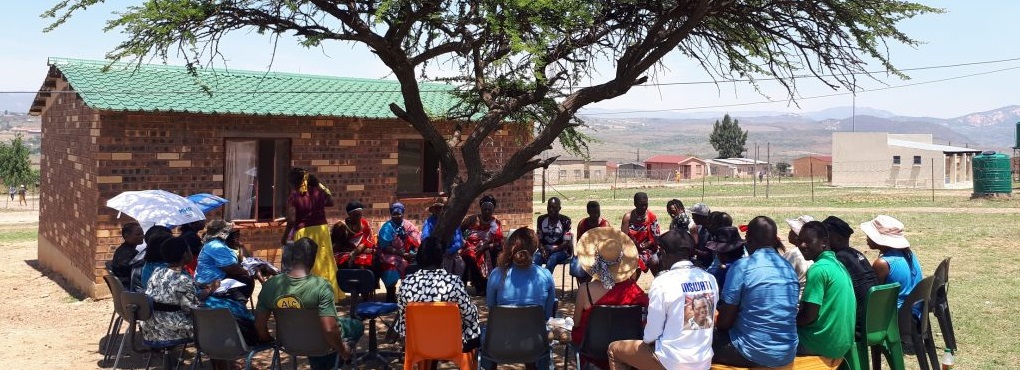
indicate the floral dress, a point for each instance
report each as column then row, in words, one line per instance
column 437, row 286
column 170, row 290
column 403, row 238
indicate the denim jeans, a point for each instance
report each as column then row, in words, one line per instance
column 555, row 259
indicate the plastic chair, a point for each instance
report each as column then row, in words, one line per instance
column 881, row 332
column 918, row 332
column 940, row 304
column 138, row 307
column 218, row 337
column 515, row 335
column 607, row 324
column 434, row 333
column 299, row 333
column 357, row 282
column 117, row 317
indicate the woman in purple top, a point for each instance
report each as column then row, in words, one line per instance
column 306, row 218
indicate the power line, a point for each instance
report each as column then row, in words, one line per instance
column 809, row 97
column 230, row 92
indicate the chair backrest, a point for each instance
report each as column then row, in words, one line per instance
column 607, row 324
column 217, row 334
column 515, row 334
column 136, row 306
column 940, row 284
column 299, row 332
column 433, row 330
column 116, row 290
column 359, row 281
column 921, row 295
column 880, row 316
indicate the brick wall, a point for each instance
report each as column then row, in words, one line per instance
column 67, row 207
column 184, row 153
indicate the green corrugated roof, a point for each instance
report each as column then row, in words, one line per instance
column 161, row 88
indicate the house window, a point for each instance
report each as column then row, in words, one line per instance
column 417, row 167
column 598, row 174
column 895, row 159
column 563, row 174
column 577, row 174
column 255, row 180
column 587, row 174
column 917, row 160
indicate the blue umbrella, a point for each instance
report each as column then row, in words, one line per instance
column 207, row 202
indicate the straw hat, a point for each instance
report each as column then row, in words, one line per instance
column 609, row 243
column 887, row 231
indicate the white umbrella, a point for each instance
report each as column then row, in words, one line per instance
column 156, row 207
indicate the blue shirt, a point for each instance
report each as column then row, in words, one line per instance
column 525, row 286
column 908, row 274
column 214, row 257
column 765, row 289
column 426, row 231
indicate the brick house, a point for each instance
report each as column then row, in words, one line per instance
column 665, row 166
column 156, row 127
column 818, row 166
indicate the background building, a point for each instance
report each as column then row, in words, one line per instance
column 899, row 160
column 572, row 170
column 736, row 167
column 817, row 166
column 665, row 167
column 99, row 142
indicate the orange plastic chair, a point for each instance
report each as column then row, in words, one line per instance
column 434, row 333
column 799, row 363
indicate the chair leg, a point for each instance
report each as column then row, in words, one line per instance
column 120, row 352
column 195, row 363
column 248, row 360
column 114, row 332
column 109, row 328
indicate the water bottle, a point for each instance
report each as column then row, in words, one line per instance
column 947, row 360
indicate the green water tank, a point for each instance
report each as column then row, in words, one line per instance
column 992, row 174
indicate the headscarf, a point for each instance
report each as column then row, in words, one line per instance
column 395, row 207
column 488, row 199
column 601, row 269
column 304, row 184
column 217, row 229
column 354, row 206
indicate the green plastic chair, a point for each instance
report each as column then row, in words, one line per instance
column 882, row 332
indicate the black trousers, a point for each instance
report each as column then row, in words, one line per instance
column 726, row 353
column 473, row 274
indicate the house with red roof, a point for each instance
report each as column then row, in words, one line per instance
column 676, row 167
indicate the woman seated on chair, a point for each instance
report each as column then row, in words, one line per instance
column 154, row 238
column 433, row 284
column 517, row 281
column 398, row 242
column 218, row 262
column 173, row 297
column 610, row 257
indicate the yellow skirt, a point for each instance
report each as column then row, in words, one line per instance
column 325, row 264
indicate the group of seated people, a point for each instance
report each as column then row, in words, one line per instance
column 717, row 297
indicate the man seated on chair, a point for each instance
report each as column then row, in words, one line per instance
column 553, row 228
column 825, row 322
column 757, row 324
column 298, row 289
column 862, row 274
column 678, row 334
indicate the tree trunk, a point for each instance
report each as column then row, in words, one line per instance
column 459, row 202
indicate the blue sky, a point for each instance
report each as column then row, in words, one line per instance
column 970, row 31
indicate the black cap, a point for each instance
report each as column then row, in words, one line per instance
column 676, row 241
column 837, row 225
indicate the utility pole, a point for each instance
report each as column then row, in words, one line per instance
column 768, row 168
column 754, row 176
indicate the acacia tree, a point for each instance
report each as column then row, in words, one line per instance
column 524, row 62
column 727, row 138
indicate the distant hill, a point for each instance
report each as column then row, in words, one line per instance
column 788, row 135
column 15, row 103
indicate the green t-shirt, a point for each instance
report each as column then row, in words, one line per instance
column 829, row 286
column 282, row 292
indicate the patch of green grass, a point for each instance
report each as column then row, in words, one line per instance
column 18, row 236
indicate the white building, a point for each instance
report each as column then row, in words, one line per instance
column 735, row 167
column 899, row 160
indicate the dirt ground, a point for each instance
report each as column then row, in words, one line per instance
column 44, row 326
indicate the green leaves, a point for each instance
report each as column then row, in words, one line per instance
column 15, row 168
column 727, row 138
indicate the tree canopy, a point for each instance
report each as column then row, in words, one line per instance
column 728, row 139
column 15, row 167
column 530, row 62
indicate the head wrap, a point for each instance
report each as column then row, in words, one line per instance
column 488, row 199
column 354, row 206
column 397, row 207
column 838, row 226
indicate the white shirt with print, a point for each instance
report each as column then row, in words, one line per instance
column 681, row 309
